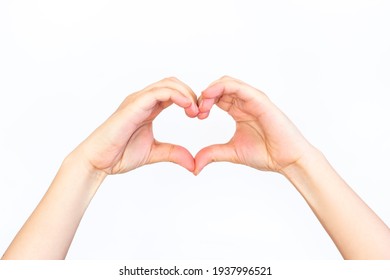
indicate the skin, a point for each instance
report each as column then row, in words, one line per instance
column 265, row 139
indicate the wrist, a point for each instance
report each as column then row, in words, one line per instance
column 301, row 171
column 76, row 163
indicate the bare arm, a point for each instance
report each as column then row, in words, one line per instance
column 266, row 139
column 355, row 229
column 49, row 231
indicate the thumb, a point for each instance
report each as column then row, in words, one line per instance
column 167, row 152
column 214, row 153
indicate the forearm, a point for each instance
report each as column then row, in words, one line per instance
column 50, row 229
column 355, row 229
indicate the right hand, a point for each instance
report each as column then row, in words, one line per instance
column 265, row 138
column 125, row 140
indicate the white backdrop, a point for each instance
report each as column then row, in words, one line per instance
column 66, row 65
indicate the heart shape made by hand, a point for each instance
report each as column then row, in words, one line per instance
column 263, row 137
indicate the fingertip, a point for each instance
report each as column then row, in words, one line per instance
column 206, row 104
column 203, row 115
column 188, row 102
column 190, row 166
column 196, row 172
column 201, row 159
column 183, row 158
column 192, row 111
column 198, row 169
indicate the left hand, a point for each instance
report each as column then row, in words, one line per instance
column 265, row 138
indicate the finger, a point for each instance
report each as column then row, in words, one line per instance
column 212, row 94
column 205, row 104
column 165, row 96
column 166, row 152
column 214, row 153
column 226, row 90
column 230, row 86
column 175, row 84
column 185, row 89
column 177, row 97
column 203, row 115
column 205, row 107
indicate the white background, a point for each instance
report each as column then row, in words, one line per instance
column 66, row 65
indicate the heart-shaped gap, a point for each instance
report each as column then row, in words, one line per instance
column 173, row 126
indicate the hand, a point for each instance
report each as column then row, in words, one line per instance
column 125, row 141
column 265, row 138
